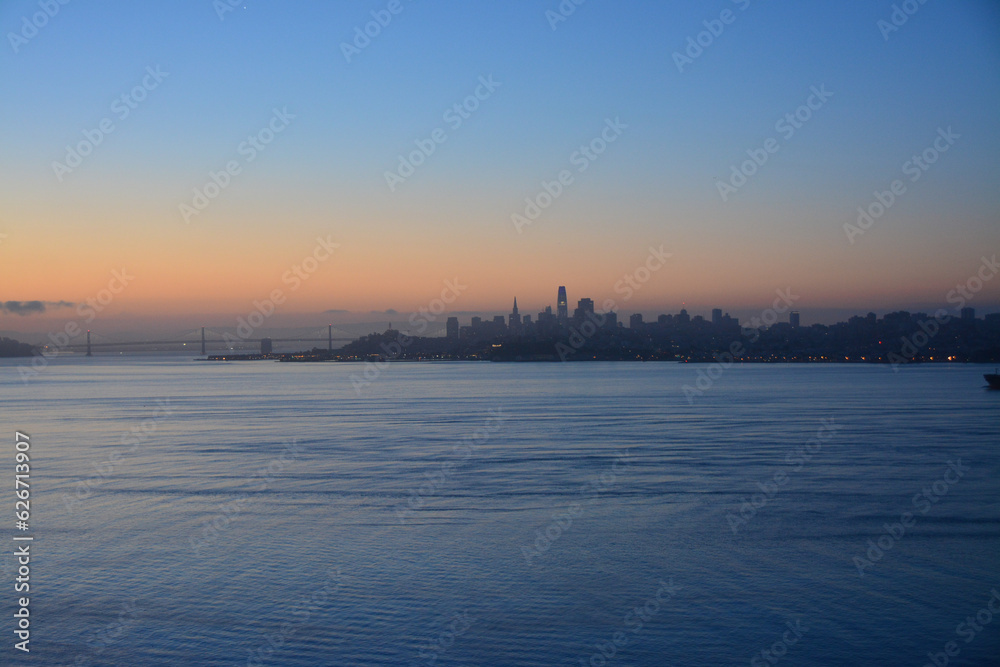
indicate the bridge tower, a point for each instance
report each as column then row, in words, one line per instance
column 88, row 344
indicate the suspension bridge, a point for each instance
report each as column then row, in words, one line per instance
column 207, row 339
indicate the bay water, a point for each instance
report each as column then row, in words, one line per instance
column 261, row 513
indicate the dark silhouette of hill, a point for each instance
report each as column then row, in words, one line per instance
column 13, row 348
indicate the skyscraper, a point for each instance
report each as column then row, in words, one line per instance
column 583, row 306
column 562, row 307
column 793, row 319
column 452, row 328
column 514, row 320
column 546, row 321
column 716, row 316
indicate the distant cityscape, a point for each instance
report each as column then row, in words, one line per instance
column 775, row 335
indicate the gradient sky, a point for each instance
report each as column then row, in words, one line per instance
column 323, row 175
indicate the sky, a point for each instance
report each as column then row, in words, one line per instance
column 586, row 140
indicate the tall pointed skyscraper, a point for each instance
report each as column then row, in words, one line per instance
column 514, row 319
column 562, row 307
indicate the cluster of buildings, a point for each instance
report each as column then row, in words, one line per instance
column 549, row 323
column 585, row 334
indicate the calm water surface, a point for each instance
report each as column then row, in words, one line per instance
column 491, row 514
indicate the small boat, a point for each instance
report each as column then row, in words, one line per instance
column 993, row 379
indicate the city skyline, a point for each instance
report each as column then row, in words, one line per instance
column 437, row 320
column 356, row 324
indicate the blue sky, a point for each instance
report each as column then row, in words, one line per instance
column 656, row 184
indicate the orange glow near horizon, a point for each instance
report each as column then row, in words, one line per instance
column 220, row 264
